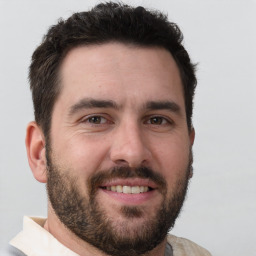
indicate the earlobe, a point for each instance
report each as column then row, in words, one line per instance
column 35, row 145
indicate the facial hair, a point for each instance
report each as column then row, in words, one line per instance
column 83, row 215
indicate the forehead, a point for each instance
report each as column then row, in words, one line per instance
column 121, row 73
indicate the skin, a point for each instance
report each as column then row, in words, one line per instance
column 87, row 140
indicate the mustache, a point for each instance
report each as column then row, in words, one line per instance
column 143, row 172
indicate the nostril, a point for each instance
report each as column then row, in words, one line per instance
column 121, row 162
column 131, row 152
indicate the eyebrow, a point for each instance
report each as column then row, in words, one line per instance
column 88, row 103
column 161, row 105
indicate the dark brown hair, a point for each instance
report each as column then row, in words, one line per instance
column 104, row 23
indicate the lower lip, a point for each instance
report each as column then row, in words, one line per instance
column 130, row 199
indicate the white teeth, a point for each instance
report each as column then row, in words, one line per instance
column 113, row 188
column 135, row 190
column 128, row 189
column 119, row 189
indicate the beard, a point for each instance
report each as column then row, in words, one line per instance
column 82, row 214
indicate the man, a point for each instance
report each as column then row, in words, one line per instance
column 112, row 138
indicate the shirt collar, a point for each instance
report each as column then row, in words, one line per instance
column 34, row 240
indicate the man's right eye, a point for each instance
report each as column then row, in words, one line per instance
column 96, row 120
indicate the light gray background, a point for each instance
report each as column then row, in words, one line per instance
column 220, row 212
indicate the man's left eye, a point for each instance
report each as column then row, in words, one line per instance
column 157, row 120
column 97, row 120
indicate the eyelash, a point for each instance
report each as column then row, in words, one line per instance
column 163, row 120
column 166, row 120
column 88, row 118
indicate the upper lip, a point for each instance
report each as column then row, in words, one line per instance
column 130, row 182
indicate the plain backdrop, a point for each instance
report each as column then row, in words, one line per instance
column 220, row 211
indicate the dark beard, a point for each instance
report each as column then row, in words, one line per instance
column 89, row 221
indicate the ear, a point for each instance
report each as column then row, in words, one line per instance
column 192, row 135
column 35, row 145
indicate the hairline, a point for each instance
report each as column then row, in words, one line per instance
column 128, row 43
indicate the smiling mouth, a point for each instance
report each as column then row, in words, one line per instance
column 128, row 189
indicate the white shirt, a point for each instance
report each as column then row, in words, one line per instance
column 34, row 240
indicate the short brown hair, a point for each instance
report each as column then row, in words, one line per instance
column 104, row 23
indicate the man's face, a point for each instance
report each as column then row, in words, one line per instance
column 120, row 151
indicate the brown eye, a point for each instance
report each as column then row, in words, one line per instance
column 157, row 120
column 97, row 120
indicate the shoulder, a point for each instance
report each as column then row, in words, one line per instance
column 10, row 250
column 185, row 247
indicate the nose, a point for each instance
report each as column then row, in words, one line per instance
column 129, row 146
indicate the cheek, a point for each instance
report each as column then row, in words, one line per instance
column 173, row 158
column 82, row 153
